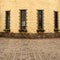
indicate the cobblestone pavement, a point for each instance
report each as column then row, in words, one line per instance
column 29, row 49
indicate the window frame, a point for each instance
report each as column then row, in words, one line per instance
column 23, row 28
column 56, row 27
column 41, row 26
column 7, row 21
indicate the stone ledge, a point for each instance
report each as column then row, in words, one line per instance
column 29, row 36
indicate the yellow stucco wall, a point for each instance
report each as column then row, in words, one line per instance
column 49, row 6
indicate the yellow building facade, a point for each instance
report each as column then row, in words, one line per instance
column 49, row 9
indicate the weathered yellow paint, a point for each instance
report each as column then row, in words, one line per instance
column 49, row 6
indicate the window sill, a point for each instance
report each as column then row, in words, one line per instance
column 23, row 30
column 56, row 30
column 40, row 30
column 7, row 30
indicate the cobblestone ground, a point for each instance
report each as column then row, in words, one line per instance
column 29, row 49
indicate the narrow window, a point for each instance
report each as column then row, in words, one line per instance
column 23, row 20
column 7, row 28
column 40, row 21
column 55, row 21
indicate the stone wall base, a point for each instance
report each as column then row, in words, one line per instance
column 29, row 36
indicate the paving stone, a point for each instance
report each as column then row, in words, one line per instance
column 26, row 49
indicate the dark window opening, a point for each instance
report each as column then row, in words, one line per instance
column 40, row 21
column 7, row 28
column 23, row 20
column 55, row 21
